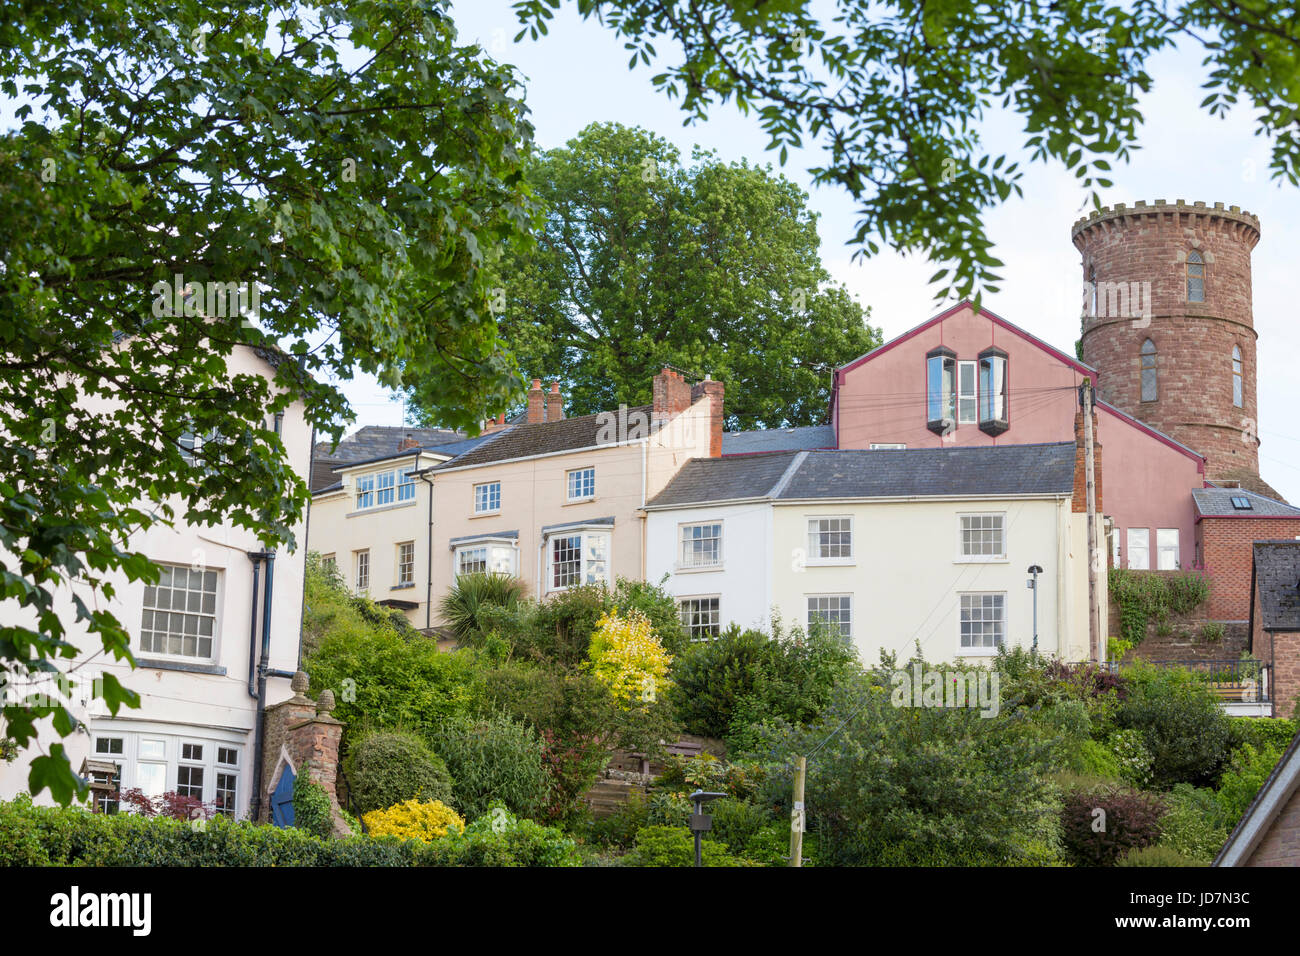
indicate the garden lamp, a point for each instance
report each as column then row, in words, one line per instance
column 701, row 822
column 1035, row 570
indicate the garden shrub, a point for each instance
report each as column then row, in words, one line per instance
column 494, row 758
column 785, row 676
column 1131, row 757
column 1131, row 820
column 1194, row 825
column 1182, row 725
column 311, row 805
column 673, row 846
column 1157, row 856
column 1246, row 773
column 1096, row 760
column 387, row 767
column 462, row 606
column 558, row 630
column 1141, row 597
column 627, row 660
column 69, row 836
column 414, row 819
column 1259, row 732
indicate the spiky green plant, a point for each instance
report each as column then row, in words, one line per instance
column 461, row 606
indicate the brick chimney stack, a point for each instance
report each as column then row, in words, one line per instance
column 495, row 424
column 554, row 404
column 1080, row 503
column 536, row 409
column 714, row 391
column 408, row 442
column 672, row 396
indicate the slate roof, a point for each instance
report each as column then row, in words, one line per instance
column 1277, row 575
column 542, row 438
column 1217, row 503
column 975, row 471
column 325, row 470
column 803, row 438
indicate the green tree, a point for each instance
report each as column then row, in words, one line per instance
column 644, row 262
column 349, row 162
column 894, row 92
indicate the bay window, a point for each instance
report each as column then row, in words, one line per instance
column 941, row 390
column 577, row 557
column 993, row 391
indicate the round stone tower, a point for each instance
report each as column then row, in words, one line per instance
column 1167, row 323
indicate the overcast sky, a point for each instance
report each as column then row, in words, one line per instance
column 578, row 75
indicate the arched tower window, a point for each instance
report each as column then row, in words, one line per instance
column 1195, row 277
column 1236, row 376
column 1148, row 364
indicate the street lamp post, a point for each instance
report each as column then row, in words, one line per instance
column 1035, row 570
column 701, row 822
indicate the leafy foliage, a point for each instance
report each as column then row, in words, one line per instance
column 1099, row 826
column 1162, row 705
column 643, row 262
column 1195, row 824
column 311, row 805
column 673, row 846
column 414, row 819
column 388, row 767
column 1142, row 597
column 1241, row 782
column 1158, row 855
column 627, row 659
column 743, row 677
column 462, row 605
column 494, row 758
column 233, row 147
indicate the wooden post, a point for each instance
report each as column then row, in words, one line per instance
column 1095, row 637
column 797, row 813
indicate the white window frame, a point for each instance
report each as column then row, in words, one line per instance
column 365, row 497
column 576, row 476
column 406, row 567
column 694, row 630
column 814, row 553
column 841, row 597
column 682, row 530
column 972, row 396
column 500, row 556
column 465, row 552
column 357, row 565
column 1167, row 549
column 117, row 759
column 485, row 500
column 1138, row 542
column 385, row 488
column 962, row 556
column 406, row 484
column 223, row 768
column 964, row 650
column 888, row 446
column 585, row 560
column 149, row 614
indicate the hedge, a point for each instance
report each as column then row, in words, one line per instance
column 70, row 836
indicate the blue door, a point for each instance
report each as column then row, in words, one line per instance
column 282, row 799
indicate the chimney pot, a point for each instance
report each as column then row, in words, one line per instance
column 536, row 409
column 555, row 404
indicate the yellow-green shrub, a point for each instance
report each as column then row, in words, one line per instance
column 628, row 659
column 414, row 819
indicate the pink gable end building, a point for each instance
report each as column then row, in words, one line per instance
column 964, row 378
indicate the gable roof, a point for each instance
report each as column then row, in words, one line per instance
column 1263, row 811
column 1217, row 503
column 371, row 443
column 968, row 471
column 1277, row 580
column 948, row 313
column 801, row 438
column 541, row 438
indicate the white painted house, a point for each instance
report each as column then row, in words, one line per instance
column 222, row 606
column 893, row 547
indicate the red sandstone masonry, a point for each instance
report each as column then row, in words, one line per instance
column 1194, row 340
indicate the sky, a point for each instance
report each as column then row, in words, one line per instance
column 578, row 74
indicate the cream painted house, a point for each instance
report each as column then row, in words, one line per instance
column 554, row 501
column 892, row 547
column 198, row 638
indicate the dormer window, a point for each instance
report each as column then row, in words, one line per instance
column 941, row 390
column 1195, row 277
column 994, row 418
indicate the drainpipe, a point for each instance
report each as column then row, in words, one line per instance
column 256, row 557
column 428, row 571
column 255, row 803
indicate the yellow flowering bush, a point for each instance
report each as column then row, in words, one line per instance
column 628, row 659
column 414, row 819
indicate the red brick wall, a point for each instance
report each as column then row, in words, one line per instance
column 1227, row 555
column 1281, row 649
column 1281, row 844
column 1194, row 340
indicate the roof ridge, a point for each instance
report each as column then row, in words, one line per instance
column 788, row 475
